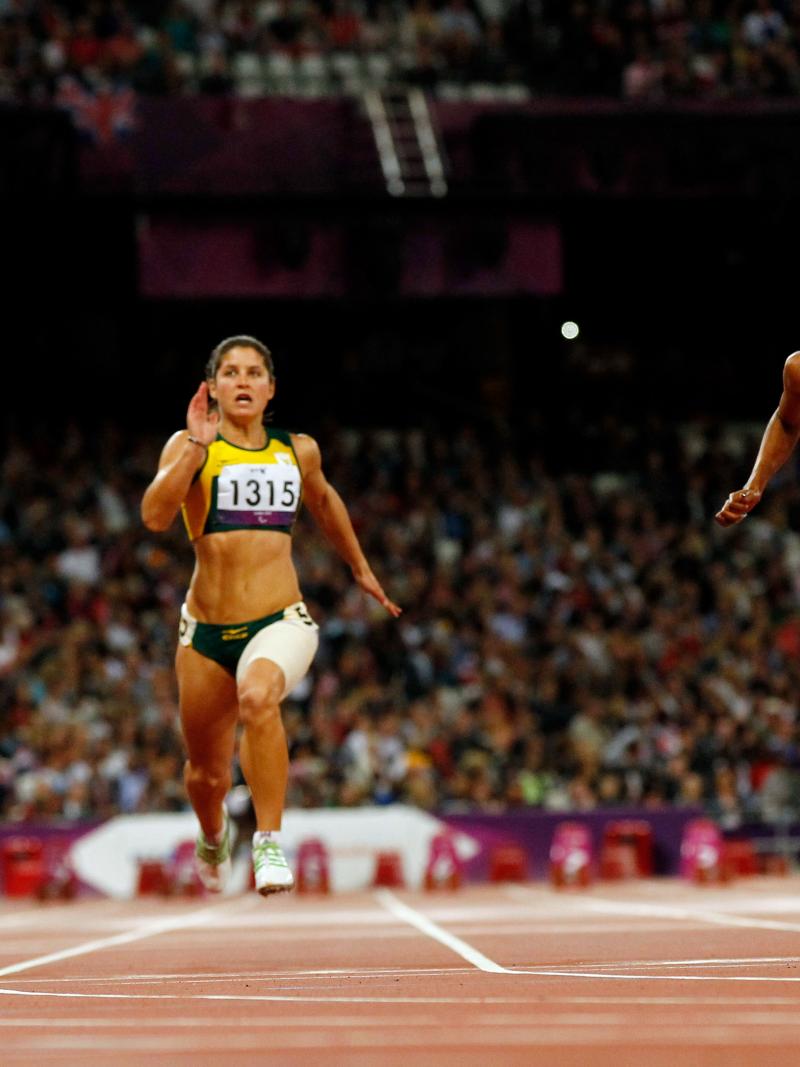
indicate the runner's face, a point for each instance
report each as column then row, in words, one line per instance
column 243, row 386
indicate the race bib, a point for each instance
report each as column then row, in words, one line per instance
column 258, row 495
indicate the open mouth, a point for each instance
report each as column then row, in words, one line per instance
column 243, row 397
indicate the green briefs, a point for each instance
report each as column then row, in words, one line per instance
column 223, row 644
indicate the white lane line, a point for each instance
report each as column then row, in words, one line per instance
column 437, row 933
column 304, row 998
column 720, row 961
column 656, row 977
column 216, row 976
column 379, row 973
column 252, row 976
column 483, row 963
column 149, row 929
column 635, row 909
column 757, row 1000
column 668, row 911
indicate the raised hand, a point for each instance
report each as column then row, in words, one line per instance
column 737, row 507
column 200, row 422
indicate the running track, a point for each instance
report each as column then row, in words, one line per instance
column 650, row 973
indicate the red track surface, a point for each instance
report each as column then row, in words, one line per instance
column 652, row 973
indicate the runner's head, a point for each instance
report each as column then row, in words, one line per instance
column 240, row 341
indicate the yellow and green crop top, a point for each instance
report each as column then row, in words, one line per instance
column 245, row 488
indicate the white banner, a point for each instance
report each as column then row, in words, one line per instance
column 108, row 858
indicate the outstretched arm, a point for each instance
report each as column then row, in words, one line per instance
column 331, row 516
column 780, row 438
column 183, row 455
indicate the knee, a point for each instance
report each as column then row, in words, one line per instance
column 258, row 702
column 211, row 779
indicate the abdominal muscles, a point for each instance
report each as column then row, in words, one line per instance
column 241, row 575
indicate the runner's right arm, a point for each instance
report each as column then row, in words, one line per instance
column 182, row 457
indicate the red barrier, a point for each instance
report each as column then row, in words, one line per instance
column 739, row 858
column 180, row 873
column 702, row 852
column 774, row 863
column 313, row 868
column 60, row 881
column 627, row 850
column 389, row 870
column 571, row 855
column 23, row 866
column 152, row 878
column 508, row 863
column 618, row 862
column 444, row 870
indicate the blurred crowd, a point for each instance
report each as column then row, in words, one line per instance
column 636, row 49
column 570, row 641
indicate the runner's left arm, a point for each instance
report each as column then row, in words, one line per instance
column 331, row 516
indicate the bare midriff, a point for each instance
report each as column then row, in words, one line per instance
column 241, row 575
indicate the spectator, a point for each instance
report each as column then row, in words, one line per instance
column 566, row 643
column 85, row 47
column 763, row 25
column 217, row 80
column 702, row 49
column 344, row 26
column 285, row 29
column 643, row 77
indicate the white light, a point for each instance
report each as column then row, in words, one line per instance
column 569, row 330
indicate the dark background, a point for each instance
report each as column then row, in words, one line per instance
column 692, row 288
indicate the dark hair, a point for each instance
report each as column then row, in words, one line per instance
column 242, row 341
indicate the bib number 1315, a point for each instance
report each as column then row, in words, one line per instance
column 267, row 488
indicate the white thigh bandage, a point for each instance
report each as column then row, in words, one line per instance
column 291, row 643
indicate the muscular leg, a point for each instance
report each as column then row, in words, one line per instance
column 208, row 719
column 263, row 753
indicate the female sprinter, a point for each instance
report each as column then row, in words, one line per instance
column 246, row 638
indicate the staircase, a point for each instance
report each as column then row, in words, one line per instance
column 409, row 151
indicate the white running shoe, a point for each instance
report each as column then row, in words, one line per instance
column 271, row 870
column 213, row 862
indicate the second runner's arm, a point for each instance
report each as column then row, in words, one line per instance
column 777, row 444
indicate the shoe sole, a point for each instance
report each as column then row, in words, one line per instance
column 270, row 890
